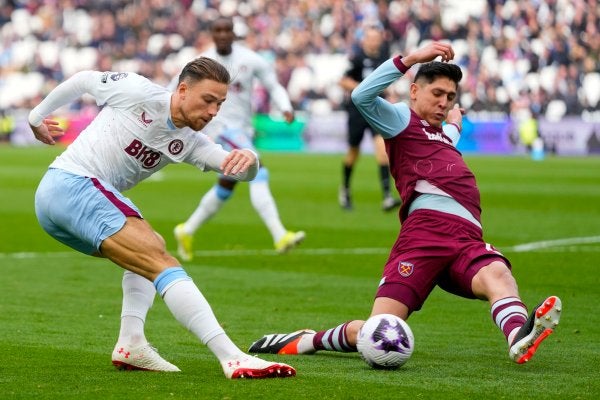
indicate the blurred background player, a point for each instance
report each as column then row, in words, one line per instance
column 232, row 128
column 371, row 53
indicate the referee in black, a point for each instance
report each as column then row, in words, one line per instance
column 370, row 53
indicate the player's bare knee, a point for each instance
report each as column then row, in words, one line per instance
column 501, row 274
column 494, row 280
column 164, row 258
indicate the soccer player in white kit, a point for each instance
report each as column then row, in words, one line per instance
column 232, row 128
column 141, row 128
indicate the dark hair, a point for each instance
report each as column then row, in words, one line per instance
column 432, row 70
column 222, row 20
column 204, row 68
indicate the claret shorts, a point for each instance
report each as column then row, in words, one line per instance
column 435, row 249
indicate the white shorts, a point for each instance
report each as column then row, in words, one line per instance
column 234, row 138
column 80, row 211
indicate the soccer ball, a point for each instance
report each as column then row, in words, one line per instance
column 385, row 341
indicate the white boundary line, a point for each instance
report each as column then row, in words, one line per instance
column 216, row 253
column 561, row 245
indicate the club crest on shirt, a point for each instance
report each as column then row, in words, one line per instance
column 405, row 269
column 175, row 147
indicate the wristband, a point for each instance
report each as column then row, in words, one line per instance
column 400, row 65
column 456, row 125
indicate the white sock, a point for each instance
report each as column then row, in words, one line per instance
column 305, row 344
column 209, row 205
column 223, row 348
column 191, row 309
column 263, row 202
column 512, row 334
column 138, row 297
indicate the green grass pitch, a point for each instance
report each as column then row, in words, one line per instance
column 59, row 310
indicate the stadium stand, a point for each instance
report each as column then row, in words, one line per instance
column 539, row 57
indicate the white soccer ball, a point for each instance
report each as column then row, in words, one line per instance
column 385, row 341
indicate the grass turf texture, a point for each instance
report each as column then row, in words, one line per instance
column 59, row 310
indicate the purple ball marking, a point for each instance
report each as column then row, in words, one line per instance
column 383, row 343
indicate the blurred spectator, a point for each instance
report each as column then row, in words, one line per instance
column 7, row 126
column 487, row 105
column 544, row 49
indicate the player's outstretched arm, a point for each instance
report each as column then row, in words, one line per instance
column 45, row 129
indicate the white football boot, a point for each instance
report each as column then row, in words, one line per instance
column 143, row 357
column 246, row 366
column 540, row 324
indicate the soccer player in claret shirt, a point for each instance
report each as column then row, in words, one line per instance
column 141, row 128
column 232, row 128
column 441, row 239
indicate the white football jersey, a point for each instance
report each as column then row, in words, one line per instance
column 244, row 66
column 133, row 135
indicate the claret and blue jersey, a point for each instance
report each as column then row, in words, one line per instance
column 429, row 171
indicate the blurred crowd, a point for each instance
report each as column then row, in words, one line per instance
column 537, row 57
